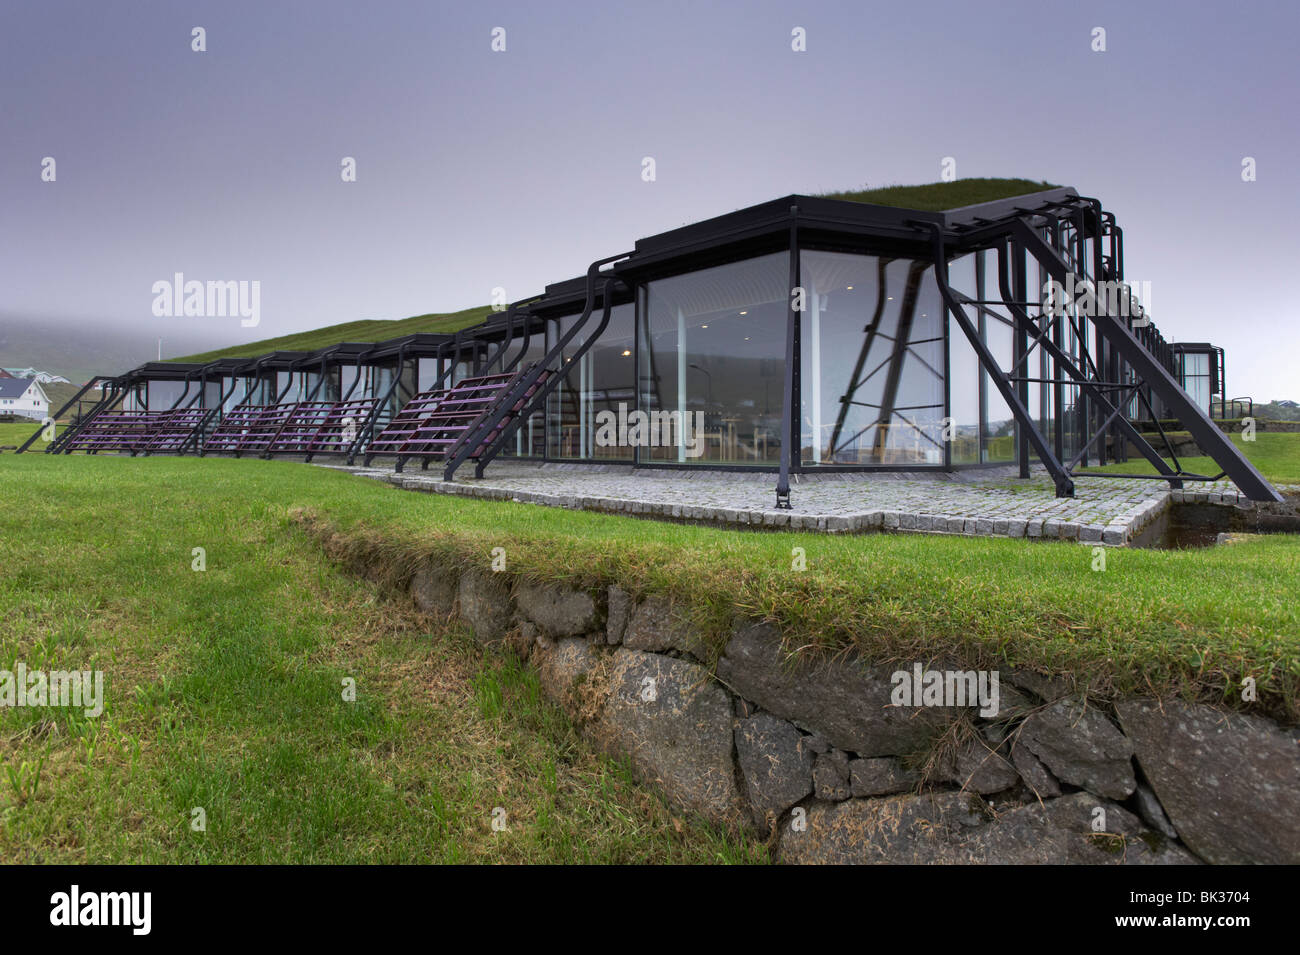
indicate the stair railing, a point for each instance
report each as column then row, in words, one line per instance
column 473, row 441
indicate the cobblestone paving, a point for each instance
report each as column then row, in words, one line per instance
column 1105, row 511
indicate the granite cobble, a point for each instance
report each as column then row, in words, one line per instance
column 1102, row 512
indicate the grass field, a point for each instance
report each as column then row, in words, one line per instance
column 225, row 691
column 1276, row 454
column 224, row 687
column 16, row 432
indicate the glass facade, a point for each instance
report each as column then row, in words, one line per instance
column 711, row 353
column 598, row 387
column 163, row 394
column 691, row 372
column 871, row 362
column 1196, row 377
column 530, row 438
column 708, row 349
column 983, row 426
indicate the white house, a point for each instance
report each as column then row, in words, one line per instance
column 23, row 396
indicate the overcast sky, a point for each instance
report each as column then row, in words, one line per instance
column 478, row 169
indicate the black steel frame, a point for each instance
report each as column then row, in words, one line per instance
column 1104, row 362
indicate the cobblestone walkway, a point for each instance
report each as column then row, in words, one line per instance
column 1104, row 511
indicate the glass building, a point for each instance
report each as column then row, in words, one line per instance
column 802, row 334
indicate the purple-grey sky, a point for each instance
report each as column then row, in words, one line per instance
column 479, row 169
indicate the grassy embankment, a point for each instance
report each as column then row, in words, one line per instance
column 224, row 687
column 225, row 691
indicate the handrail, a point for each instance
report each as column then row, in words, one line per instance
column 374, row 412
column 119, row 391
column 515, row 307
column 493, row 447
column 1059, row 355
column 1153, row 373
column 518, row 389
column 198, row 432
column 55, row 417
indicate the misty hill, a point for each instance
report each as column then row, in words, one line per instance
column 79, row 350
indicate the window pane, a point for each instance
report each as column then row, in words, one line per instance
column 529, row 439
column 872, row 362
column 712, row 347
column 602, row 380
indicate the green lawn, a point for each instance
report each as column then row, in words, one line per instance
column 17, row 432
column 1276, row 454
column 941, row 196
column 224, row 686
column 225, row 691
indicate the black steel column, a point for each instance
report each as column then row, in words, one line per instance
column 1019, row 293
column 789, row 410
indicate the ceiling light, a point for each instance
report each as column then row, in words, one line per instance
column 743, row 312
column 626, row 352
column 704, row 326
column 849, row 287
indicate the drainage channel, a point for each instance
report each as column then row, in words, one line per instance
column 1185, row 526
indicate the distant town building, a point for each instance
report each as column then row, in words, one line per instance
column 44, row 377
column 23, row 396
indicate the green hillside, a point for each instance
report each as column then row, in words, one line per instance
column 369, row 330
column 941, row 196
column 930, row 197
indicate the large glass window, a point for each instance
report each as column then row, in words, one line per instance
column 964, row 373
column 163, row 394
column 712, row 352
column 1196, row 378
column 530, row 437
column 599, row 387
column 871, row 376
column 983, row 425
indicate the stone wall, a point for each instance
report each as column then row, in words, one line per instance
column 815, row 755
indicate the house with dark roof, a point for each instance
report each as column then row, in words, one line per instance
column 23, row 397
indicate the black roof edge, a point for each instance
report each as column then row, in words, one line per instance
column 417, row 345
column 965, row 216
column 749, row 227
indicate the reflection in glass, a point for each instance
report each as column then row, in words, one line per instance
column 872, row 362
column 712, row 346
column 599, row 381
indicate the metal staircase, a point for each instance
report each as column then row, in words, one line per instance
column 473, row 419
column 436, row 424
column 1119, row 368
